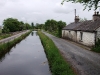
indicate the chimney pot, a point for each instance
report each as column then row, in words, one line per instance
column 96, row 16
column 76, row 19
column 95, row 13
column 98, row 13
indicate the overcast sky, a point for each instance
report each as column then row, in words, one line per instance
column 38, row 11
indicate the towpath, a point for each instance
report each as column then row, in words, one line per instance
column 12, row 37
column 84, row 62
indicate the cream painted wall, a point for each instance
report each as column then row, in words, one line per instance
column 69, row 34
column 87, row 39
column 98, row 33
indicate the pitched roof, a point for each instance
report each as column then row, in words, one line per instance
column 89, row 25
column 72, row 26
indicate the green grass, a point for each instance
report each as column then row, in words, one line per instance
column 7, row 46
column 96, row 48
column 0, row 31
column 57, row 64
column 2, row 36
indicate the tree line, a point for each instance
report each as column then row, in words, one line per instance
column 52, row 26
column 13, row 25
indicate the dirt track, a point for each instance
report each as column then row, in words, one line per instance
column 12, row 37
column 84, row 61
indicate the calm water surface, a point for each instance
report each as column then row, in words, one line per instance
column 26, row 58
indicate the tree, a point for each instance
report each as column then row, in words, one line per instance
column 55, row 27
column 60, row 26
column 5, row 30
column 82, row 20
column 32, row 24
column 86, row 3
column 22, row 26
column 27, row 26
column 12, row 24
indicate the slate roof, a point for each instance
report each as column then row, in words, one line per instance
column 72, row 26
column 88, row 25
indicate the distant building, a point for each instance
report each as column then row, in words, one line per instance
column 86, row 32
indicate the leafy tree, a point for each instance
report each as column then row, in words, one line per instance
column 5, row 30
column 27, row 26
column 54, row 27
column 22, row 26
column 60, row 26
column 32, row 24
column 37, row 25
column 86, row 3
column 11, row 24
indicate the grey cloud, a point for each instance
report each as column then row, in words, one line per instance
column 38, row 11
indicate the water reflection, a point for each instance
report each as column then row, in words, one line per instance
column 7, row 52
column 32, row 33
column 36, row 33
column 28, row 58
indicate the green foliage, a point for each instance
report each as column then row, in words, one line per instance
column 57, row 64
column 54, row 27
column 11, row 24
column 5, row 30
column 2, row 36
column 86, row 3
column 39, row 26
column 0, row 31
column 27, row 26
column 96, row 48
column 60, row 26
column 32, row 24
column 22, row 26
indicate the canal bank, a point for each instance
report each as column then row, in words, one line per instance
column 57, row 63
column 26, row 58
column 12, row 37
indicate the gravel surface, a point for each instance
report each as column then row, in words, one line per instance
column 12, row 37
column 84, row 62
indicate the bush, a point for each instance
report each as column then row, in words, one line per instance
column 96, row 48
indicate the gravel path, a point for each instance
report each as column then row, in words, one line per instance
column 85, row 62
column 12, row 37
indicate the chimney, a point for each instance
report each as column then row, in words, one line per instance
column 96, row 16
column 76, row 19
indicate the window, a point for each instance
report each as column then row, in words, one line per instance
column 81, row 36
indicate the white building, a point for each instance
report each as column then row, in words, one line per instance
column 86, row 32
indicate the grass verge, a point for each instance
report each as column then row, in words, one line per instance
column 57, row 64
column 96, row 48
column 4, row 36
column 7, row 46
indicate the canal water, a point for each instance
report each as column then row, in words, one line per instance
column 26, row 58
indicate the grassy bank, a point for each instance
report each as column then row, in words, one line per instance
column 7, row 46
column 57, row 64
column 96, row 48
column 2, row 36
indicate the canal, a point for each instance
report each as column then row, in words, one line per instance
column 26, row 58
